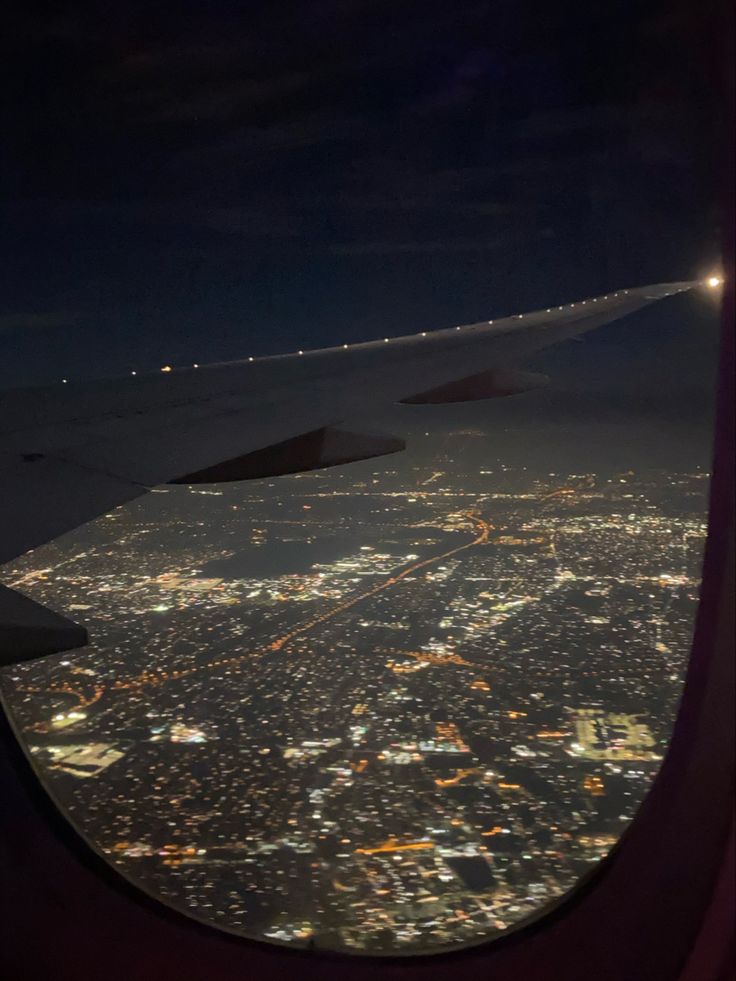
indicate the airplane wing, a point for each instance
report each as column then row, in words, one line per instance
column 69, row 453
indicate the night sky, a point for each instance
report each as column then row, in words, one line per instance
column 202, row 181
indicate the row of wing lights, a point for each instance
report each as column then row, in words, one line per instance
column 712, row 282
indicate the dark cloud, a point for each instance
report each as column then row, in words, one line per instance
column 226, row 99
column 36, row 321
column 397, row 248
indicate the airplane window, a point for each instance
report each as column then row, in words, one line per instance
column 378, row 708
column 405, row 704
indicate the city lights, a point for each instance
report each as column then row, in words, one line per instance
column 394, row 711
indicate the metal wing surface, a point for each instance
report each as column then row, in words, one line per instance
column 69, row 453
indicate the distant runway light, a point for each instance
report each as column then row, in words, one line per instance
column 195, row 366
column 251, row 359
column 345, row 345
column 166, row 367
column 385, row 340
column 63, row 381
column 300, row 352
column 133, row 372
column 714, row 281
